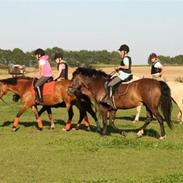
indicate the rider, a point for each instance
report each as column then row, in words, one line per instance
column 157, row 67
column 124, row 72
column 45, row 72
column 62, row 67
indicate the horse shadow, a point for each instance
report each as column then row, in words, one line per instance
column 110, row 130
column 33, row 123
column 147, row 132
column 128, row 118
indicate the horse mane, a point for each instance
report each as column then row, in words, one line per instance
column 91, row 72
column 13, row 81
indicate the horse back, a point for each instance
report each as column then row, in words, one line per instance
column 139, row 89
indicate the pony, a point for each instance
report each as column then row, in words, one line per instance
column 55, row 94
column 176, row 94
column 150, row 92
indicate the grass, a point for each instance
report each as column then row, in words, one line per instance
column 53, row 156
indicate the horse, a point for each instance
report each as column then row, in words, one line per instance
column 176, row 94
column 55, row 94
column 150, row 92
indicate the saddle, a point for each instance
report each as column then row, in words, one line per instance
column 120, row 88
column 129, row 78
column 47, row 88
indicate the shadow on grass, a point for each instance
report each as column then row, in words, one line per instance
column 33, row 123
column 110, row 130
column 125, row 131
column 128, row 118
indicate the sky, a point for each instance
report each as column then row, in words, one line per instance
column 145, row 25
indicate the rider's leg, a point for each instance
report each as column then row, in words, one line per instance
column 109, row 92
column 38, row 87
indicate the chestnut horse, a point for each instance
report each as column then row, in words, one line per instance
column 150, row 92
column 23, row 87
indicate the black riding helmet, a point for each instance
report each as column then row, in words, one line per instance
column 124, row 47
column 39, row 51
column 58, row 55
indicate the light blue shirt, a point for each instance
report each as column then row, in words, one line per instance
column 123, row 75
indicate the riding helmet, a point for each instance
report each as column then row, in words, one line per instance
column 39, row 51
column 124, row 47
column 152, row 55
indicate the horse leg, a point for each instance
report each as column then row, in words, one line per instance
column 112, row 115
column 147, row 121
column 179, row 115
column 81, row 117
column 92, row 113
column 38, row 118
column 48, row 110
column 68, row 123
column 104, row 112
column 17, row 118
column 162, row 129
column 138, row 109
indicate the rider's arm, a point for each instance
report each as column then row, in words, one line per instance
column 126, row 66
column 41, row 67
column 60, row 68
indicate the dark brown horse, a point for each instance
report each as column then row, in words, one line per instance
column 56, row 95
column 150, row 92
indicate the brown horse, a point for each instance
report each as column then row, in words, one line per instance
column 56, row 94
column 150, row 92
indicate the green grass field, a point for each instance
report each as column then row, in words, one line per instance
column 54, row 156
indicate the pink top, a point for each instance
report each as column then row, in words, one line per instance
column 47, row 72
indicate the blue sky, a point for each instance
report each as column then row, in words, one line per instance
column 145, row 25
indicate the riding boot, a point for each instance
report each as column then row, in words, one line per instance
column 108, row 97
column 39, row 96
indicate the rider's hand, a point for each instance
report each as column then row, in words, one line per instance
column 116, row 68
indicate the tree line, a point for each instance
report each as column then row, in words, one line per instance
column 74, row 58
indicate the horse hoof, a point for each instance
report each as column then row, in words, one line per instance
column 88, row 128
column 40, row 129
column 123, row 134
column 162, row 138
column 134, row 121
column 140, row 133
column 98, row 130
column 76, row 127
column 65, row 130
column 52, row 127
column 104, row 133
column 14, row 129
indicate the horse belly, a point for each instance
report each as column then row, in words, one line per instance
column 126, row 102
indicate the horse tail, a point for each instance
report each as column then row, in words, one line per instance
column 166, row 103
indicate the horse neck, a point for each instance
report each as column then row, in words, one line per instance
column 18, row 88
column 96, row 87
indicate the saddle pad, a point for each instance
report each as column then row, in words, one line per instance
column 48, row 88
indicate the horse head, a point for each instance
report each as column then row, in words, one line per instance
column 87, row 79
